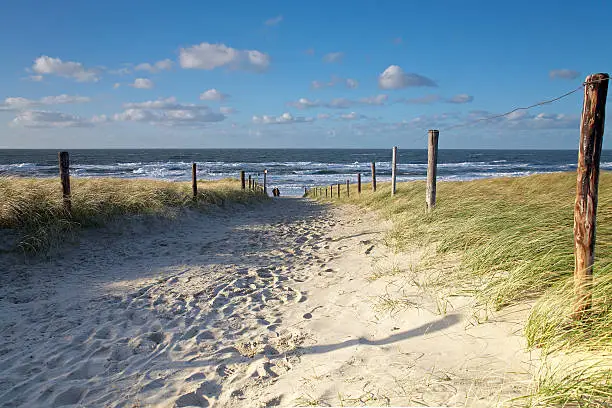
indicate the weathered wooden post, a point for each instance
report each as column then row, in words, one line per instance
column 348, row 189
column 393, row 169
column 432, row 163
column 250, row 183
column 325, row 192
column 194, row 180
column 242, row 180
column 338, row 190
column 374, row 176
column 585, row 208
column 359, row 183
column 331, row 191
column 64, row 168
column 265, row 182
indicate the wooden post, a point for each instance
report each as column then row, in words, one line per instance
column 585, row 208
column 194, row 180
column 331, row 191
column 338, row 186
column 325, row 192
column 374, row 176
column 250, row 183
column 348, row 189
column 242, row 180
column 359, row 183
column 305, row 191
column 432, row 163
column 64, row 168
column 265, row 182
column 393, row 169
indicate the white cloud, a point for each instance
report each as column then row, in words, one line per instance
column 351, row 83
column 285, row 118
column 213, row 95
column 394, row 77
column 48, row 119
column 333, row 57
column 339, row 103
column 36, row 78
column 120, row 71
column 352, row 116
column 563, row 74
column 163, row 65
column 210, row 56
column 227, row 110
column 45, row 65
column 348, row 82
column 142, row 83
column 274, row 21
column 168, row 112
column 374, row 100
column 304, row 103
column 461, row 98
column 16, row 103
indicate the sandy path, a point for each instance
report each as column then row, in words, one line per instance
column 259, row 306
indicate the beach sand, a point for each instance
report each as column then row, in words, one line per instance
column 266, row 305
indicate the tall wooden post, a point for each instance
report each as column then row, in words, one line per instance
column 585, row 208
column 393, row 169
column 64, row 168
column 374, row 176
column 348, row 189
column 325, row 192
column 338, row 186
column 242, row 180
column 194, row 180
column 432, row 163
column 265, row 182
column 331, row 191
column 359, row 183
column 250, row 183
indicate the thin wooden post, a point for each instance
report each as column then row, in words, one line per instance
column 585, row 208
column 393, row 169
column 265, row 182
column 432, row 163
column 64, row 168
column 348, row 189
column 374, row 176
column 194, row 180
column 250, row 183
column 331, row 191
column 359, row 183
column 242, row 180
column 305, row 191
column 325, row 192
column 338, row 187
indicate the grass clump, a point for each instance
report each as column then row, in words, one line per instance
column 514, row 238
column 33, row 206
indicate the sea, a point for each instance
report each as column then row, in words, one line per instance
column 291, row 169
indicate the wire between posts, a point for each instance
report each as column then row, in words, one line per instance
column 524, row 107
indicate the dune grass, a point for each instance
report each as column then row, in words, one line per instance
column 514, row 237
column 33, row 206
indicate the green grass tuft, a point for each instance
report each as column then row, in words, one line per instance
column 33, row 206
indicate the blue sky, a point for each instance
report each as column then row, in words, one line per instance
column 82, row 74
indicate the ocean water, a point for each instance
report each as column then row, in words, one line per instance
column 291, row 169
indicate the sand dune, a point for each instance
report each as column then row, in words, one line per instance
column 269, row 305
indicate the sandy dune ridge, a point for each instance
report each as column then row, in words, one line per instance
column 288, row 303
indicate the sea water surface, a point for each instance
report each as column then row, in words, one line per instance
column 291, row 169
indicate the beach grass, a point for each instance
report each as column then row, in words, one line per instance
column 34, row 208
column 514, row 239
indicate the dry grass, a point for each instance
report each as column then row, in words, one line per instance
column 514, row 237
column 33, row 206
